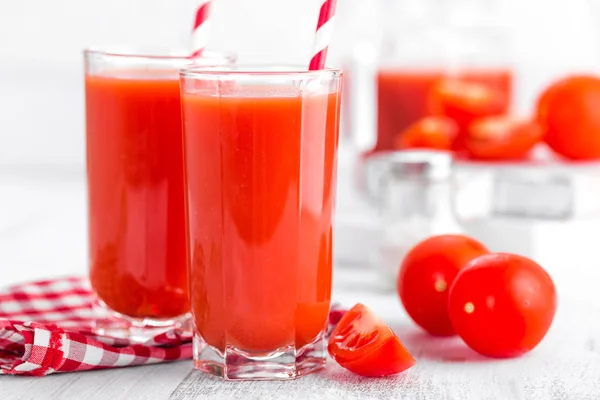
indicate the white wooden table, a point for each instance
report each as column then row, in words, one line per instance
column 43, row 234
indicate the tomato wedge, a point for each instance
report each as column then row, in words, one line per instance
column 433, row 132
column 362, row 343
column 502, row 138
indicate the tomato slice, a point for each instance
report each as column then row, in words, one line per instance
column 362, row 343
column 502, row 138
column 464, row 102
column 433, row 132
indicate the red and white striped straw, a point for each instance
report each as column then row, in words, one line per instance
column 323, row 35
column 201, row 28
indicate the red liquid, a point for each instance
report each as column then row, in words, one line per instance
column 261, row 187
column 403, row 97
column 136, row 197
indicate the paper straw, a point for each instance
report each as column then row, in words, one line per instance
column 201, row 28
column 323, row 35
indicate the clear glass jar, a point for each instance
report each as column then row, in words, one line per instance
column 423, row 42
column 428, row 41
column 389, row 78
column 413, row 195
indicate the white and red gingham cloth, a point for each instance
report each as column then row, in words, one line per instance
column 46, row 327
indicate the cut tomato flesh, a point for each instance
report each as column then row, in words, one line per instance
column 364, row 344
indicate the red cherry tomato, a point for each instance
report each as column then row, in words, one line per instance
column 568, row 110
column 502, row 305
column 502, row 138
column 365, row 345
column 434, row 132
column 425, row 277
column 464, row 102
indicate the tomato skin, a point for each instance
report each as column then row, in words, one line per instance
column 365, row 345
column 383, row 361
column 499, row 138
column 502, row 305
column 568, row 111
column 426, row 275
column 464, row 102
column 433, row 132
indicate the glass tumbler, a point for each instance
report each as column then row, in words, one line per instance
column 431, row 57
column 135, row 190
column 260, row 152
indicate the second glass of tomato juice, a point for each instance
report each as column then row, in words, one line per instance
column 135, row 190
column 260, row 164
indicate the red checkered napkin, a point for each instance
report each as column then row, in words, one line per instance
column 45, row 327
column 61, row 339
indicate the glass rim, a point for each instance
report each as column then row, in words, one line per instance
column 157, row 54
column 255, row 70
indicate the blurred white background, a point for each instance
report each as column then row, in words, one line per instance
column 41, row 93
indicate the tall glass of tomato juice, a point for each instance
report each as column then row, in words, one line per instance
column 137, row 244
column 260, row 152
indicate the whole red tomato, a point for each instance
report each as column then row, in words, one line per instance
column 502, row 305
column 434, row 132
column 465, row 101
column 425, row 277
column 502, row 138
column 569, row 111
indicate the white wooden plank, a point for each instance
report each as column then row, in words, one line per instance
column 148, row 382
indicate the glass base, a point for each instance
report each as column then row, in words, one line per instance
column 137, row 330
column 283, row 364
